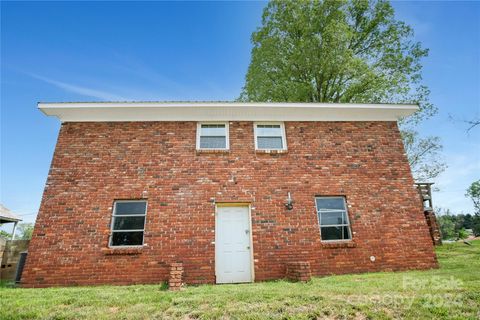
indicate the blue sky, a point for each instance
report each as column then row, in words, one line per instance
column 67, row 51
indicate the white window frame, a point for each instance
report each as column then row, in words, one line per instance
column 227, row 135
column 282, row 129
column 319, row 217
column 112, row 231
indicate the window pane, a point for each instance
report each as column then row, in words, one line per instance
column 127, row 238
column 128, row 223
column 330, row 203
column 213, row 143
column 213, row 130
column 331, row 233
column 269, row 130
column 332, row 218
column 335, row 233
column 134, row 207
column 269, row 143
column 346, row 233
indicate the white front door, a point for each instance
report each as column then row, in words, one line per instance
column 233, row 258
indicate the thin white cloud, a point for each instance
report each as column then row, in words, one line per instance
column 88, row 92
column 157, row 85
column 420, row 26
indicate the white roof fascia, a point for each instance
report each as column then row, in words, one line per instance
column 223, row 111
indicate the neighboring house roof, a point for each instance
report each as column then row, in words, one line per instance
column 223, row 111
column 7, row 216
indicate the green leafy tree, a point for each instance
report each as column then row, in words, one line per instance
column 468, row 221
column 4, row 234
column 454, row 226
column 343, row 51
column 473, row 192
column 25, row 231
column 447, row 224
column 476, row 225
column 459, row 222
column 462, row 234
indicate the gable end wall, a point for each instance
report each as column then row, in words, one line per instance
column 96, row 163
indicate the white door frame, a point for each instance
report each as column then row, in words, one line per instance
column 236, row 204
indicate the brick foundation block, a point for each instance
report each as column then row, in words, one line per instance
column 299, row 271
column 175, row 278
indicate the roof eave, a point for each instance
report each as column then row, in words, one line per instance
column 7, row 219
column 223, row 111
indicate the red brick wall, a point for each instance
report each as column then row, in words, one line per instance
column 96, row 163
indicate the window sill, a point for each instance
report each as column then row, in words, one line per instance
column 122, row 251
column 200, row 151
column 338, row 244
column 272, row 151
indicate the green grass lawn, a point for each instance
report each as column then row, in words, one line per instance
column 452, row 292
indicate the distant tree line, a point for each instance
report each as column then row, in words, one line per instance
column 454, row 226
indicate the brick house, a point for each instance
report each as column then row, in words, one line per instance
column 232, row 192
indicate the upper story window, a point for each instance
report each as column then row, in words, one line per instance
column 333, row 218
column 270, row 136
column 212, row 136
column 128, row 223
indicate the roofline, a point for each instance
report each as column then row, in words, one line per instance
column 9, row 219
column 226, row 111
column 156, row 104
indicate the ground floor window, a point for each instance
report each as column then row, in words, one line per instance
column 128, row 223
column 333, row 218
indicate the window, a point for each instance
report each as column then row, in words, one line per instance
column 270, row 136
column 128, row 223
column 212, row 136
column 333, row 218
